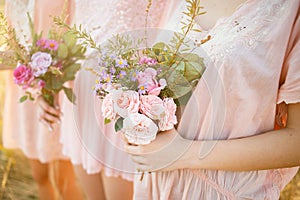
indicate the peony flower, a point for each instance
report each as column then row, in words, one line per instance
column 126, row 102
column 139, row 129
column 169, row 119
column 51, row 45
column 23, row 75
column 108, row 107
column 40, row 62
column 152, row 106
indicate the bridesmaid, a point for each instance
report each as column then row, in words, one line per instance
column 97, row 152
column 22, row 128
column 229, row 149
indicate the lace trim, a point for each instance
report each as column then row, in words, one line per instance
column 248, row 30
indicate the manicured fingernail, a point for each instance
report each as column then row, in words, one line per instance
column 50, row 129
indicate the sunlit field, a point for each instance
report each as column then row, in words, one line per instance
column 16, row 182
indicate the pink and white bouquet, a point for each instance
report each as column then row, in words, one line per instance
column 138, row 106
column 43, row 66
column 142, row 88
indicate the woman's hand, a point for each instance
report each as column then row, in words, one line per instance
column 165, row 153
column 48, row 115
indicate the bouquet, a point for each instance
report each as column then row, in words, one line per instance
column 141, row 88
column 43, row 66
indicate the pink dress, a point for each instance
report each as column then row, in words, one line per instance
column 255, row 66
column 21, row 126
column 86, row 140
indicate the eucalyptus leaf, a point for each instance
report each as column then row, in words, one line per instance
column 119, row 124
column 70, row 94
column 69, row 39
column 62, row 51
column 70, row 72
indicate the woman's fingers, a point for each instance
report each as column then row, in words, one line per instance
column 49, row 118
column 47, row 108
column 47, row 124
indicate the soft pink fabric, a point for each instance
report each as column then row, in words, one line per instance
column 21, row 126
column 237, row 97
column 85, row 139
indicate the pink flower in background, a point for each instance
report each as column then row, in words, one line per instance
column 126, row 102
column 152, row 106
column 41, row 83
column 41, row 43
column 23, row 75
column 139, row 129
column 40, row 62
column 51, row 45
column 108, row 107
column 169, row 119
column 148, row 61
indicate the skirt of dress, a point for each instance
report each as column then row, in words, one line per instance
column 23, row 130
column 85, row 138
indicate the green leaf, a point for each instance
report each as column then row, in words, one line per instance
column 53, row 82
column 178, row 84
column 119, row 124
column 62, row 51
column 70, row 95
column 55, row 70
column 106, row 121
column 23, row 98
column 70, row 72
column 69, row 39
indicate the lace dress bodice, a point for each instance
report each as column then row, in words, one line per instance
column 101, row 16
column 16, row 11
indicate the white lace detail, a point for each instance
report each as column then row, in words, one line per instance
column 115, row 16
column 248, row 30
column 17, row 13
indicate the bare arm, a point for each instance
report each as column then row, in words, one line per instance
column 269, row 150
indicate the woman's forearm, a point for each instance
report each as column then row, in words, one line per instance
column 273, row 149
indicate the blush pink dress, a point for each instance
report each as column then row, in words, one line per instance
column 254, row 66
column 86, row 140
column 21, row 126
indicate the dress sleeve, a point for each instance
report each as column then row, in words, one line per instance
column 289, row 90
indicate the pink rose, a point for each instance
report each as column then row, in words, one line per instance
column 157, row 87
column 169, row 119
column 41, row 83
column 147, row 76
column 126, row 102
column 139, row 129
column 40, row 62
column 23, row 75
column 152, row 106
column 108, row 107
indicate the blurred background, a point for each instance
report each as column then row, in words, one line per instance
column 16, row 182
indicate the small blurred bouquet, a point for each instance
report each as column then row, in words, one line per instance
column 141, row 89
column 44, row 65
